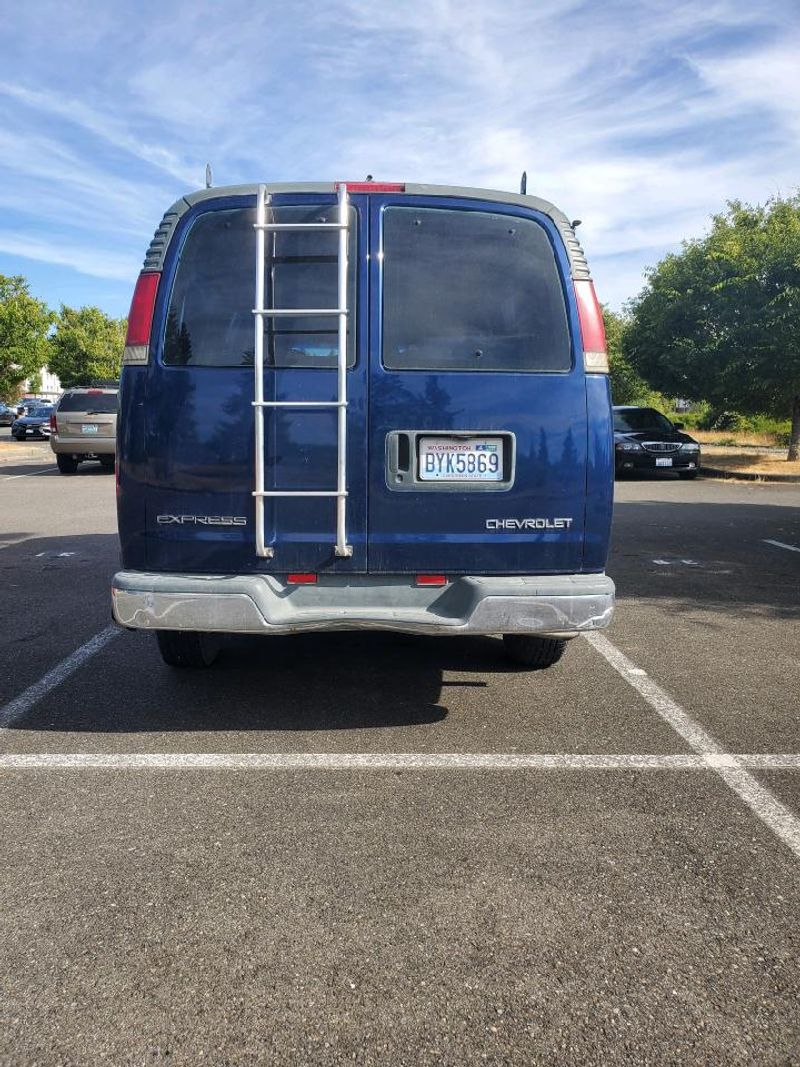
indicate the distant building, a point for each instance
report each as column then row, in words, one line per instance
column 51, row 386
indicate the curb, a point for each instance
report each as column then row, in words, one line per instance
column 744, row 476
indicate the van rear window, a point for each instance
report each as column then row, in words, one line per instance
column 102, row 403
column 471, row 290
column 210, row 318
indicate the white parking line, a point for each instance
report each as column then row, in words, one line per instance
column 781, row 544
column 395, row 761
column 17, row 707
column 783, row 823
column 13, row 477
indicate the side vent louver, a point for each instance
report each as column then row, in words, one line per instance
column 154, row 260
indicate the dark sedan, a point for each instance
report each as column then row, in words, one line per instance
column 646, row 440
column 32, row 424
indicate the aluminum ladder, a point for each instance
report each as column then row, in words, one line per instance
column 261, row 313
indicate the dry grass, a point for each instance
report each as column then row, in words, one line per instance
column 734, row 437
column 751, row 463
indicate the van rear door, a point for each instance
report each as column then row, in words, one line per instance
column 477, row 391
column 201, row 446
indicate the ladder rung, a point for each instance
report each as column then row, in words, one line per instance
column 275, row 313
column 301, row 492
column 299, row 403
column 288, row 226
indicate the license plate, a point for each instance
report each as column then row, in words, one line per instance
column 89, row 427
column 460, row 459
column 667, row 462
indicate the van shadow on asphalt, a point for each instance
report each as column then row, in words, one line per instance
column 307, row 682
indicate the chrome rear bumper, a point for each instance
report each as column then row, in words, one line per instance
column 559, row 605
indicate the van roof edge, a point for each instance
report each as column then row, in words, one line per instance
column 579, row 267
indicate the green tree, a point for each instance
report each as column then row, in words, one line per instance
column 626, row 385
column 720, row 320
column 24, row 323
column 86, row 344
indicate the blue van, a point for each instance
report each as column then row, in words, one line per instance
column 364, row 405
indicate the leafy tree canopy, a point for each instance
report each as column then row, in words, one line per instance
column 720, row 320
column 87, row 344
column 24, row 323
column 627, row 387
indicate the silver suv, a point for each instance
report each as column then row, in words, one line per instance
column 84, row 426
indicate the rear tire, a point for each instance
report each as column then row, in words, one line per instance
column 107, row 462
column 537, row 653
column 66, row 464
column 187, row 648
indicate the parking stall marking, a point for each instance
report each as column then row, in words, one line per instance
column 761, row 801
column 17, row 707
column 734, row 769
column 395, row 761
column 781, row 544
column 32, row 474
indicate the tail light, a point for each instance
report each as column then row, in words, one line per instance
column 301, row 579
column 53, row 423
column 431, row 579
column 593, row 333
column 140, row 318
column 373, row 187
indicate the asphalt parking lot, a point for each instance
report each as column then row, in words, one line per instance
column 379, row 849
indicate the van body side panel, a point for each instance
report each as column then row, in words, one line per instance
column 599, row 472
column 132, row 467
column 535, row 523
column 200, row 437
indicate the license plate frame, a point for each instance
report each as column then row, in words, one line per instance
column 664, row 461
column 478, row 459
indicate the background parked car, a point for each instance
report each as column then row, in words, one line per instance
column 26, row 404
column 646, row 440
column 31, row 425
column 7, row 414
column 84, row 426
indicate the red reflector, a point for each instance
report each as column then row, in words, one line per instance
column 92, row 392
column 590, row 315
column 140, row 317
column 374, row 187
column 301, row 579
column 431, row 579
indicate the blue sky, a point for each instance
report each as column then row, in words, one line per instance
column 639, row 118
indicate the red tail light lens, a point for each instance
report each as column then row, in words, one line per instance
column 431, row 579
column 140, row 318
column 373, row 187
column 53, row 422
column 593, row 333
column 301, row 579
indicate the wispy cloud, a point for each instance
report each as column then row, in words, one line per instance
column 93, row 261
column 638, row 117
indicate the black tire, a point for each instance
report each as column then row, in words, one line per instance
column 107, row 462
column 687, row 476
column 19, row 436
column 533, row 652
column 187, row 648
column 66, row 464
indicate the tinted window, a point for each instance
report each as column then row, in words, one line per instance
column 470, row 290
column 638, row 419
column 210, row 318
column 40, row 413
column 102, row 403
